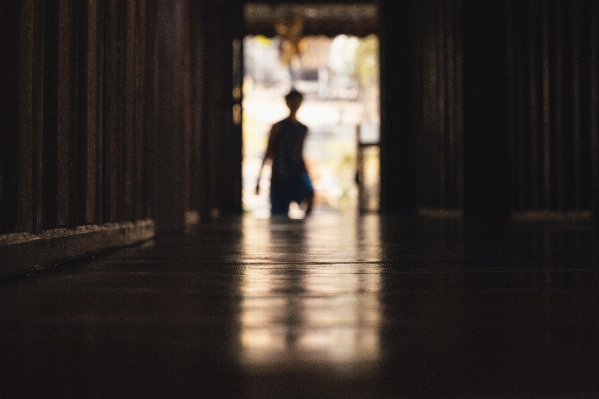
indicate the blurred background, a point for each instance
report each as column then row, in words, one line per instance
column 339, row 77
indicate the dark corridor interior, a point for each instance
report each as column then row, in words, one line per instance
column 129, row 111
column 127, row 268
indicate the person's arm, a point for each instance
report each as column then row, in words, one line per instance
column 268, row 156
column 301, row 155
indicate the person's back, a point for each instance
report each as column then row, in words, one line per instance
column 289, row 180
column 288, row 164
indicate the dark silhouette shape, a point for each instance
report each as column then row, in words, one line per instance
column 290, row 181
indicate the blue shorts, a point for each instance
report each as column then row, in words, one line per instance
column 281, row 197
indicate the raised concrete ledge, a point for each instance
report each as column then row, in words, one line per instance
column 441, row 213
column 518, row 216
column 24, row 252
column 553, row 216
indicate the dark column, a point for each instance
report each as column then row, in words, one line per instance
column 221, row 137
column 89, row 123
column 9, row 122
column 398, row 133
column 197, row 67
column 485, row 83
column 594, row 107
column 50, row 117
column 21, row 62
column 151, row 109
column 210, row 153
column 170, row 195
column 231, row 76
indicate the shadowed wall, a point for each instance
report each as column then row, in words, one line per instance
column 129, row 110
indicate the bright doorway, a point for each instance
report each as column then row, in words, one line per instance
column 339, row 77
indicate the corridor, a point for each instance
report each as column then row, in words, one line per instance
column 334, row 306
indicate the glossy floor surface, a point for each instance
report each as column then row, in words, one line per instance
column 330, row 307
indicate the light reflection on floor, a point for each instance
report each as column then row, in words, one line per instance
column 325, row 310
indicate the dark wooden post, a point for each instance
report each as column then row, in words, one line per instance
column 10, row 20
column 209, row 148
column 485, row 96
column 170, row 195
column 232, row 80
column 594, row 107
column 398, row 133
column 197, row 84
column 60, row 139
column 221, row 122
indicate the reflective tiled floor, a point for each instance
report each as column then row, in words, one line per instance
column 331, row 307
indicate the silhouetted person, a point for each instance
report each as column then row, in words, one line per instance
column 289, row 180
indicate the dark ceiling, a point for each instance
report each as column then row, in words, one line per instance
column 319, row 18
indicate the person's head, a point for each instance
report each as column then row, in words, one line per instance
column 294, row 99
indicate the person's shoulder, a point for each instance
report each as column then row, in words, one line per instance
column 282, row 124
column 277, row 125
column 297, row 123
